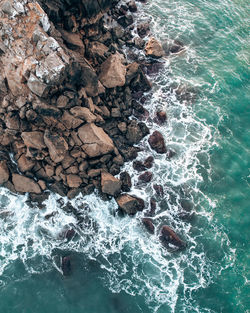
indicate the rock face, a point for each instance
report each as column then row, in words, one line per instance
column 129, row 204
column 95, row 141
column 4, row 172
column 154, row 49
column 157, row 142
column 25, row 184
column 113, row 72
column 34, row 140
column 110, row 184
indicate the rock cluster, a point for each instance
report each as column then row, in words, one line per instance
column 67, row 94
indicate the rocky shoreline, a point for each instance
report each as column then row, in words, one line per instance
column 69, row 111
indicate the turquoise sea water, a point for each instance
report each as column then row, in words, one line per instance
column 116, row 265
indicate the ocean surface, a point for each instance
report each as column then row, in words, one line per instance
column 117, row 267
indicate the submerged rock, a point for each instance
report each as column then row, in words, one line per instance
column 148, row 223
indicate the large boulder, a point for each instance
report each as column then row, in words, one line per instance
column 57, row 146
column 110, row 184
column 25, row 184
column 113, row 72
column 95, row 141
column 130, row 204
column 154, row 49
column 4, row 172
column 157, row 142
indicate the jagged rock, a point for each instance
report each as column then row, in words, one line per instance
column 130, row 204
column 33, row 140
column 73, row 40
column 154, row 48
column 62, row 101
column 157, row 142
column 57, row 146
column 110, row 184
column 25, row 184
column 12, row 121
column 95, row 141
column 125, row 20
column 45, row 109
column 83, row 113
column 148, row 163
column 143, row 29
column 113, row 71
column 4, row 172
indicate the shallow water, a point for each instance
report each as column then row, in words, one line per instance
column 117, row 266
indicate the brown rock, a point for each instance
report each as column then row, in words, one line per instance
column 70, row 121
column 25, row 184
column 113, row 72
column 161, row 117
column 57, row 146
column 159, row 190
column 74, row 181
column 157, row 142
column 4, row 172
column 83, row 113
column 148, row 163
column 33, row 140
column 95, row 141
column 25, row 164
column 110, row 184
column 62, row 101
column 154, row 48
column 129, row 204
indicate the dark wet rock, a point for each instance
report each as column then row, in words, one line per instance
column 59, row 188
column 146, row 177
column 159, row 190
column 139, row 166
column 175, row 46
column 186, row 216
column 148, row 223
column 130, row 204
column 148, row 163
column 143, row 29
column 157, row 142
column 168, row 236
column 134, row 133
column 154, row 48
column 154, row 67
column 126, row 181
column 132, row 6
column 110, row 184
column 125, row 20
column 66, row 266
